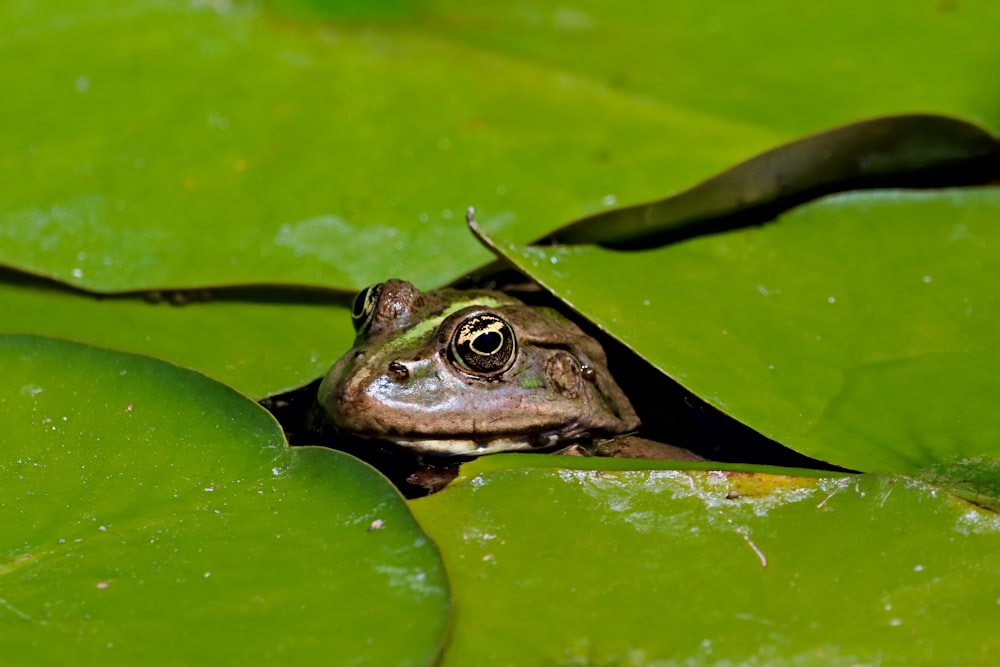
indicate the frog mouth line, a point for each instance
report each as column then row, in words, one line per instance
column 475, row 447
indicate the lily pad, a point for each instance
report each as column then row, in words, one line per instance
column 152, row 515
column 205, row 144
column 569, row 566
column 258, row 347
column 860, row 330
column 910, row 151
column 976, row 479
column 774, row 63
column 172, row 144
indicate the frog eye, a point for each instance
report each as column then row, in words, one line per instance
column 363, row 310
column 484, row 344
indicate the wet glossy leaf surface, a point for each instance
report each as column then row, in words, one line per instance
column 708, row 568
column 860, row 330
column 259, row 147
column 976, row 479
column 259, row 348
column 172, row 144
column 143, row 504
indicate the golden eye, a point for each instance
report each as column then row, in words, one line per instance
column 363, row 310
column 484, row 344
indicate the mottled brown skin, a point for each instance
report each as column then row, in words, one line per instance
column 403, row 382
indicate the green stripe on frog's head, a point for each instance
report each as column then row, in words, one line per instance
column 434, row 318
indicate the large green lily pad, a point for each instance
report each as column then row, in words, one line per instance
column 260, row 347
column 153, row 516
column 173, row 143
column 860, row 330
column 775, row 63
column 206, row 144
column 569, row 566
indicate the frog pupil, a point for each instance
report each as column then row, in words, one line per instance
column 487, row 343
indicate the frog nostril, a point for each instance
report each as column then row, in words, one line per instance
column 398, row 372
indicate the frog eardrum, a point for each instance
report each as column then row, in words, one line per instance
column 454, row 372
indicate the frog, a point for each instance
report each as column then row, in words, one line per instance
column 461, row 373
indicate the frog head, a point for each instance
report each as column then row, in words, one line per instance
column 466, row 373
